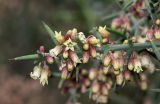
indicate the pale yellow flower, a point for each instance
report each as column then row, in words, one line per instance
column 44, row 75
column 102, row 30
column 69, row 44
column 59, row 37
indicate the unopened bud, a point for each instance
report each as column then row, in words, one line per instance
column 116, row 72
column 104, row 90
column 157, row 34
column 95, row 87
column 116, row 23
column 70, row 65
column 85, row 57
column 93, row 40
column 93, row 51
column 50, row 59
column 127, row 75
column 119, row 79
column 74, row 57
column 150, row 35
column 106, row 60
column 64, row 73
column 115, row 64
column 41, row 49
column 158, row 22
column 92, row 74
column 105, row 40
column 86, row 46
column 130, row 64
column 65, row 54
column 106, row 69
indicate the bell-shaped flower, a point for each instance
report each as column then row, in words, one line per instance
column 55, row 51
column 44, row 75
column 36, row 72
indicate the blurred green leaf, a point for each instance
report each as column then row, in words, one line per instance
column 127, row 4
column 111, row 16
column 116, row 32
column 50, row 32
column 156, row 51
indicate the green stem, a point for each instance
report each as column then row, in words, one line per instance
column 136, row 46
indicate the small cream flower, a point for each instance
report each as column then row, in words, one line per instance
column 69, row 44
column 36, row 72
column 44, row 75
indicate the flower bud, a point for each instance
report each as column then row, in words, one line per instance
column 105, row 40
column 93, row 40
column 150, row 35
column 36, row 72
column 65, row 54
column 74, row 33
column 106, row 60
column 81, row 37
column 130, row 64
column 119, row 79
column 115, row 64
column 127, row 75
column 93, row 52
column 102, row 30
column 158, row 22
column 116, row 72
column 106, row 69
column 49, row 59
column 86, row 82
column 74, row 57
column 92, row 74
column 86, row 46
column 55, row 51
column 157, row 34
column 116, row 23
column 85, row 57
column 41, row 49
column 95, row 87
column 104, row 90
column 70, row 65
column 64, row 73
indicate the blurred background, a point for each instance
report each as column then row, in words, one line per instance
column 21, row 33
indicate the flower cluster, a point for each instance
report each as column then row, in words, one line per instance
column 94, row 62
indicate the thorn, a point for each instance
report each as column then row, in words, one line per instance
column 11, row 59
